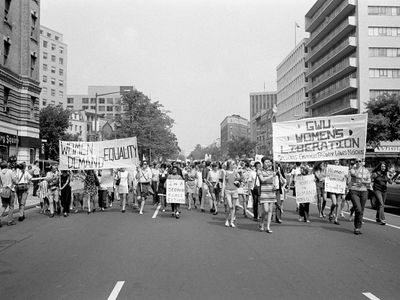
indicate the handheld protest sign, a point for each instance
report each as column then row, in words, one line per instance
column 306, row 190
column 176, row 191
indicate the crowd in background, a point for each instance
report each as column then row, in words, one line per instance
column 237, row 187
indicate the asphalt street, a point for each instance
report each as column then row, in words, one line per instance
column 110, row 255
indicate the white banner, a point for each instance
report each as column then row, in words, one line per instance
column 306, row 189
column 110, row 154
column 317, row 139
column 335, row 180
column 176, row 191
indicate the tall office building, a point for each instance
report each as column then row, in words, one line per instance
column 19, row 80
column 53, row 67
column 291, row 81
column 108, row 100
column 353, row 54
column 233, row 127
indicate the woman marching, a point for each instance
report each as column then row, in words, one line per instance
column 380, row 178
column 230, row 186
column 90, row 190
column 280, row 193
column 65, row 180
column 162, row 189
column 267, row 196
column 336, row 203
column 191, row 186
column 320, row 173
column 214, row 186
column 175, row 175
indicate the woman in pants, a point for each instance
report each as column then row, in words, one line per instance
column 65, row 192
column 380, row 178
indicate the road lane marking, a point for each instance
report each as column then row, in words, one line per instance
column 371, row 296
column 116, row 290
column 156, row 212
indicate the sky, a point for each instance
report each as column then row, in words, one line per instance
column 199, row 58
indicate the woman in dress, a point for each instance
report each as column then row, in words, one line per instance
column 230, row 189
column 65, row 180
column 90, row 190
column 380, row 178
column 191, row 185
column 162, row 181
column 360, row 180
column 123, row 187
column 243, row 190
column 267, row 197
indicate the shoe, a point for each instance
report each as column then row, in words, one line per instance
column 233, row 225
column 140, row 213
column 336, row 223
column 76, row 211
column 278, row 221
column 342, row 215
column 262, row 228
column 88, row 212
column 123, row 210
column 215, row 213
column 245, row 216
column 195, row 207
column 226, row 223
column 351, row 218
column 255, row 219
column 383, row 222
column 202, row 210
column 51, row 215
column 323, row 216
column 65, row 215
column 163, row 210
column 177, row 215
column 320, row 215
column 11, row 223
column 94, row 210
column 1, row 225
column 357, row 231
column 269, row 231
column 307, row 221
column 110, row 205
column 300, row 219
column 330, row 217
column 102, row 209
column 189, row 208
column 21, row 218
column 212, row 210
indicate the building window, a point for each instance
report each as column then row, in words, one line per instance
column 117, row 108
column 53, row 92
column 44, row 44
column 110, row 101
column 373, row 94
column 109, row 108
column 60, row 83
column 7, row 4
column 61, row 50
column 61, row 60
column 53, row 69
column 44, row 79
column 44, row 102
column 93, row 107
column 92, row 100
column 49, row 35
column 85, row 107
column 61, row 72
column 384, row 52
column 44, row 67
column 32, row 155
column 102, row 108
column 57, row 38
column 61, row 94
column 33, row 64
column 70, row 100
column 384, row 73
column 102, row 100
column 117, row 100
column 32, row 106
column 44, row 55
column 44, row 90
column 33, row 23
column 7, row 45
column 383, row 31
column 85, row 100
column 6, row 97
column 53, row 58
column 53, row 47
column 53, row 81
column 384, row 10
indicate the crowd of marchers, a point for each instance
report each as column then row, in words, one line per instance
column 237, row 188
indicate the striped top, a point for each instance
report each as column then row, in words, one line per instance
column 267, row 186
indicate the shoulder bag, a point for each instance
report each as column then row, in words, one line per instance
column 5, row 191
column 21, row 187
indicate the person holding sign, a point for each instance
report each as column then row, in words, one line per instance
column 336, row 199
column 267, row 196
column 175, row 206
column 360, row 179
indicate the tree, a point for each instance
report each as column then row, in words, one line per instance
column 383, row 119
column 199, row 152
column 53, row 123
column 151, row 125
column 240, row 146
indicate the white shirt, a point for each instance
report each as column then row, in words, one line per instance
column 25, row 178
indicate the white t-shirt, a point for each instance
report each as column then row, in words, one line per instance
column 25, row 178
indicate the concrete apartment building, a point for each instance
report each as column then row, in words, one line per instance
column 108, row 100
column 53, row 68
column 353, row 54
column 260, row 102
column 291, row 82
column 19, row 80
column 233, row 126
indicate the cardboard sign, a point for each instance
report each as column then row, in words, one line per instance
column 306, row 189
column 176, row 191
column 110, row 154
column 335, row 180
column 318, row 139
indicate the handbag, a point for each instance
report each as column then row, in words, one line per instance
column 21, row 187
column 5, row 191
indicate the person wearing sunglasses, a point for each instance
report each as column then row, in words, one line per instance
column 360, row 180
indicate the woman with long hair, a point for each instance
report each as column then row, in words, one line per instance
column 90, row 190
column 336, row 202
column 267, row 196
column 230, row 186
column 380, row 178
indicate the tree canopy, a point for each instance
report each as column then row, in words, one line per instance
column 53, row 124
column 151, row 125
column 383, row 119
column 240, row 146
column 199, row 152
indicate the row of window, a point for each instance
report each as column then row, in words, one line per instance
column 384, row 52
column 52, row 102
column 52, row 92
column 101, row 100
column 56, row 37
column 53, row 81
column 53, row 69
column 384, row 10
column 53, row 58
column 384, row 73
column 378, row 93
column 383, row 31
column 102, row 108
column 53, row 47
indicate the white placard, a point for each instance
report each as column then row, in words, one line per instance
column 110, row 154
column 176, row 191
column 323, row 138
column 306, row 190
column 335, row 180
